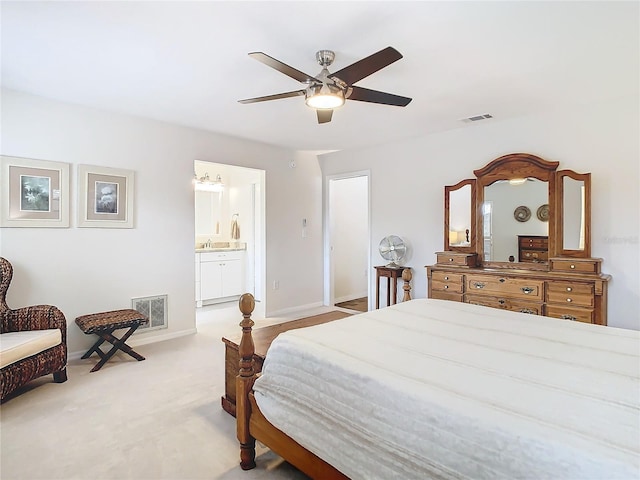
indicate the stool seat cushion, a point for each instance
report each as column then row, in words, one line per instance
column 14, row 346
column 97, row 322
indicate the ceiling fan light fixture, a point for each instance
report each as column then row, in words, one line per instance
column 324, row 96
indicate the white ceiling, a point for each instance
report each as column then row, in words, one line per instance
column 187, row 63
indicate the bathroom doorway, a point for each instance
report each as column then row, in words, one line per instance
column 347, row 245
column 229, row 234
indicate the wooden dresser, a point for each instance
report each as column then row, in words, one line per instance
column 573, row 289
column 554, row 274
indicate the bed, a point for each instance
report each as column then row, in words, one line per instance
column 445, row 390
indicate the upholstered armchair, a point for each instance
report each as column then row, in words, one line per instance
column 33, row 340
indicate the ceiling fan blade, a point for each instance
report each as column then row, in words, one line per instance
column 374, row 96
column 324, row 115
column 365, row 67
column 282, row 67
column 273, row 97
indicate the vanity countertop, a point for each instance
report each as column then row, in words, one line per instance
column 220, row 249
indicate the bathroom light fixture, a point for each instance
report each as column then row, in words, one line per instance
column 206, row 184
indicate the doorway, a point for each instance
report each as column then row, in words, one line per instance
column 347, row 245
column 236, row 231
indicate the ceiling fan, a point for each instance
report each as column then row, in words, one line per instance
column 327, row 91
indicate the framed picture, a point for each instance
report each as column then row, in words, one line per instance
column 35, row 193
column 105, row 197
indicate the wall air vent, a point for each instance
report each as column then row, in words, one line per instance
column 153, row 307
column 477, row 118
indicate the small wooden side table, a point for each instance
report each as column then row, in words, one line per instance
column 391, row 273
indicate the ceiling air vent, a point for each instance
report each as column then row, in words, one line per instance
column 477, row 118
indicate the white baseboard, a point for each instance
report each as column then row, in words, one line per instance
column 136, row 342
column 349, row 297
column 287, row 311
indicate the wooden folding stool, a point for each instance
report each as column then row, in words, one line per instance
column 104, row 324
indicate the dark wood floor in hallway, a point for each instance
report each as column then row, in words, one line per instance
column 359, row 304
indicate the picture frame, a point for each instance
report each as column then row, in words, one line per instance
column 35, row 193
column 105, row 197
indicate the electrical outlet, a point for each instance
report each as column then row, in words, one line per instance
column 276, row 284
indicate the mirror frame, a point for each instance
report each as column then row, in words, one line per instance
column 586, row 178
column 508, row 167
column 472, row 225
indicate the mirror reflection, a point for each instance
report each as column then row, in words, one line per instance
column 460, row 216
column 573, row 213
column 515, row 219
column 208, row 206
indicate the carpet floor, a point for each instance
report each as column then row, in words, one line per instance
column 156, row 419
column 359, row 304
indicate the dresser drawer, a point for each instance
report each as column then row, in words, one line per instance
column 570, row 288
column 504, row 303
column 447, row 277
column 437, row 286
column 534, row 242
column 527, row 255
column 572, row 299
column 576, row 314
column 505, row 287
column 454, row 297
column 575, row 265
column 457, row 258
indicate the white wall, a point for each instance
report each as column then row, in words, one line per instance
column 85, row 270
column 600, row 138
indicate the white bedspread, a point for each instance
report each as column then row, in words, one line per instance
column 443, row 390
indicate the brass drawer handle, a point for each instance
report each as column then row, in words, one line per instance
column 501, row 301
column 568, row 317
column 478, row 284
column 527, row 290
column 569, row 289
column 446, row 286
column 527, row 310
column 446, row 278
column 502, row 280
column 569, row 300
column 451, row 260
column 572, row 266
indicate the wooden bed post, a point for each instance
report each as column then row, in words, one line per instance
column 244, row 384
column 406, row 276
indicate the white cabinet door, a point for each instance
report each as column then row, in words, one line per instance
column 232, row 281
column 210, row 280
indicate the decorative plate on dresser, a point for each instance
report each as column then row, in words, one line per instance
column 554, row 275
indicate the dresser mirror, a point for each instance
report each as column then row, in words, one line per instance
column 574, row 195
column 460, row 216
column 509, row 212
column 512, row 190
column 519, row 212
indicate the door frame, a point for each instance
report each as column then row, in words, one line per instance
column 328, row 267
